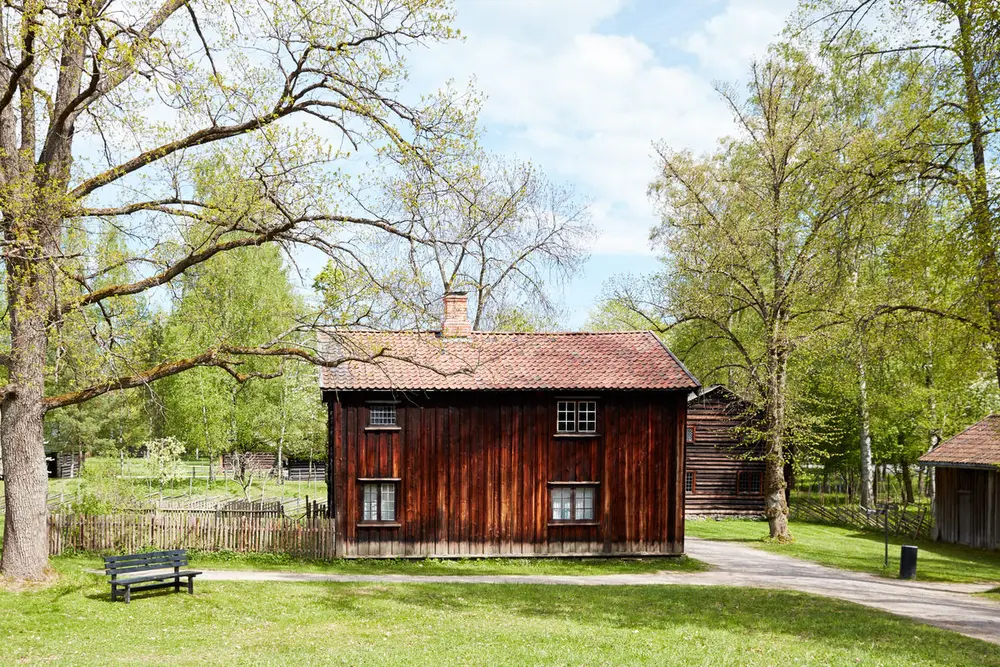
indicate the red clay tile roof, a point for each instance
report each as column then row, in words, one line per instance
column 500, row 361
column 976, row 446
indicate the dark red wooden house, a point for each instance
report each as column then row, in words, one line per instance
column 967, row 486
column 457, row 442
column 724, row 473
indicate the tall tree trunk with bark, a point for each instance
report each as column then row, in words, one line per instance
column 25, row 552
column 775, row 504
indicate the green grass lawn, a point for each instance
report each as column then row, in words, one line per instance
column 849, row 549
column 480, row 566
column 231, row 623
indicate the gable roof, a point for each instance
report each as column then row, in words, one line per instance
column 976, row 447
column 723, row 392
column 424, row 361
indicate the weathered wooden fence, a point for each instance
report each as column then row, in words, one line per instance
column 311, row 537
column 910, row 521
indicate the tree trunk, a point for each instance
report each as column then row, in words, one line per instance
column 25, row 535
column 904, row 469
column 867, row 473
column 775, row 504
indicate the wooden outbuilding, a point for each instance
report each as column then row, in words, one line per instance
column 967, row 486
column 64, row 465
column 724, row 473
column 305, row 470
column 464, row 443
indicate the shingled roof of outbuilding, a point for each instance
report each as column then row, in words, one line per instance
column 425, row 361
column 976, row 447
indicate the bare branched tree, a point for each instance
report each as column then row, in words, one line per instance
column 495, row 228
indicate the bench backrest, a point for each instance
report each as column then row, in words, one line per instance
column 153, row 560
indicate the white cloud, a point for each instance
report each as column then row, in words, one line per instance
column 730, row 40
column 586, row 105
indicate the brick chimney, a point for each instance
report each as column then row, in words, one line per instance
column 456, row 315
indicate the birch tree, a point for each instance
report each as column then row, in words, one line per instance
column 951, row 138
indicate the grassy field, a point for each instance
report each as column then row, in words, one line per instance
column 102, row 479
column 73, row 623
column 849, row 549
column 481, row 566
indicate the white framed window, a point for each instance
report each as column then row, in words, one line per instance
column 566, row 417
column 379, row 501
column 689, row 433
column 690, row 481
column 576, row 416
column 573, row 503
column 586, row 412
column 382, row 414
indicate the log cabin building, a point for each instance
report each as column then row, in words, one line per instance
column 967, row 486
column 724, row 475
column 464, row 443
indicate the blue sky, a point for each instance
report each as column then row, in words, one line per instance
column 583, row 87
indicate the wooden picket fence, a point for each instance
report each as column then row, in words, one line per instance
column 311, row 537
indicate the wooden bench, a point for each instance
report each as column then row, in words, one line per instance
column 148, row 571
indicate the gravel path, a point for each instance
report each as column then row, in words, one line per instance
column 949, row 606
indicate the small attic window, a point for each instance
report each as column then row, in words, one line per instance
column 576, row 416
column 382, row 415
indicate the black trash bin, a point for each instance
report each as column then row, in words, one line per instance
column 908, row 562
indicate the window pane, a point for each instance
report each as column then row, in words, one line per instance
column 565, row 417
column 587, row 416
column 689, row 434
column 584, row 503
column 388, row 502
column 382, row 415
column 749, row 483
column 689, row 481
column 369, row 510
column 561, row 508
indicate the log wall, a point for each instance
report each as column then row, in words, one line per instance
column 475, row 470
column 966, row 505
column 717, row 455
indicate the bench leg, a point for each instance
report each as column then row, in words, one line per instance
column 177, row 585
column 190, row 585
column 128, row 593
column 114, row 592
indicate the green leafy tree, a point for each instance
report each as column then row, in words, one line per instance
column 194, row 129
column 243, row 298
column 751, row 236
column 949, row 138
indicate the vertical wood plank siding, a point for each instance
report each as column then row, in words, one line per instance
column 717, row 456
column 475, row 468
column 967, row 506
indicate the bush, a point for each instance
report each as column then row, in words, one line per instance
column 103, row 491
